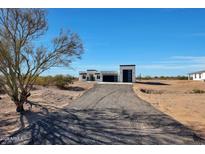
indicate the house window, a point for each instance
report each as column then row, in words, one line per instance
column 98, row 76
column 199, row 75
column 194, row 75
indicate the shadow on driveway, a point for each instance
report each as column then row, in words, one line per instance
column 109, row 126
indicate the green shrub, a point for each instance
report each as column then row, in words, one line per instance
column 60, row 81
column 44, row 80
column 147, row 78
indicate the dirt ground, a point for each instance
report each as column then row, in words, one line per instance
column 176, row 98
column 43, row 100
column 107, row 114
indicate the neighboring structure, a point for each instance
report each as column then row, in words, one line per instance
column 126, row 74
column 200, row 75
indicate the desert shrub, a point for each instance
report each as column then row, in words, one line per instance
column 182, row 78
column 147, row 78
column 61, row 84
column 163, row 78
column 60, row 81
column 44, row 80
column 197, row 91
column 150, row 91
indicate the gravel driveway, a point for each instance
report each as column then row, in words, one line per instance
column 107, row 114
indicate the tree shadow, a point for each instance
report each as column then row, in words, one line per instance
column 4, row 123
column 44, row 109
column 104, row 126
column 8, row 123
column 152, row 83
column 22, row 120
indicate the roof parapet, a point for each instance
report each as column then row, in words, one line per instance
column 203, row 71
column 128, row 65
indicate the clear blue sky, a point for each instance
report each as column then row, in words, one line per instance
column 158, row 41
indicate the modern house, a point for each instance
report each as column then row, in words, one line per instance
column 125, row 74
column 200, row 75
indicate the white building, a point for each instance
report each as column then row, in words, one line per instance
column 200, row 75
column 126, row 74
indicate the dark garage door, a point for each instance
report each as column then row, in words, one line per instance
column 127, row 75
column 109, row 78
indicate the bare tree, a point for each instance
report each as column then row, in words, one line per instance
column 21, row 60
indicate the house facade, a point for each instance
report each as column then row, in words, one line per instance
column 126, row 74
column 200, row 75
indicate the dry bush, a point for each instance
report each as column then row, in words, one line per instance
column 44, row 80
column 197, row 91
column 150, row 91
column 162, row 78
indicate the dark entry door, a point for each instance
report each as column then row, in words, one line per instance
column 92, row 78
column 127, row 75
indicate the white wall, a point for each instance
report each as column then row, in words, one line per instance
column 81, row 78
column 88, row 75
column 196, row 76
column 99, row 80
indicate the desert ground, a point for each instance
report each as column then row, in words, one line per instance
column 43, row 101
column 106, row 114
column 109, row 114
column 180, row 99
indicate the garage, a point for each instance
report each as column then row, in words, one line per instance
column 109, row 78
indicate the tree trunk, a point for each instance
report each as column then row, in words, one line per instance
column 19, row 107
column 21, row 101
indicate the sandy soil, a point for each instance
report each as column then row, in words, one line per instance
column 43, row 101
column 107, row 114
column 175, row 98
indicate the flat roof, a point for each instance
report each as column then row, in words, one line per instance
column 109, row 72
column 82, row 72
column 197, row 72
column 92, row 70
column 128, row 65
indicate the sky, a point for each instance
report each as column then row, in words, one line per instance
column 167, row 42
